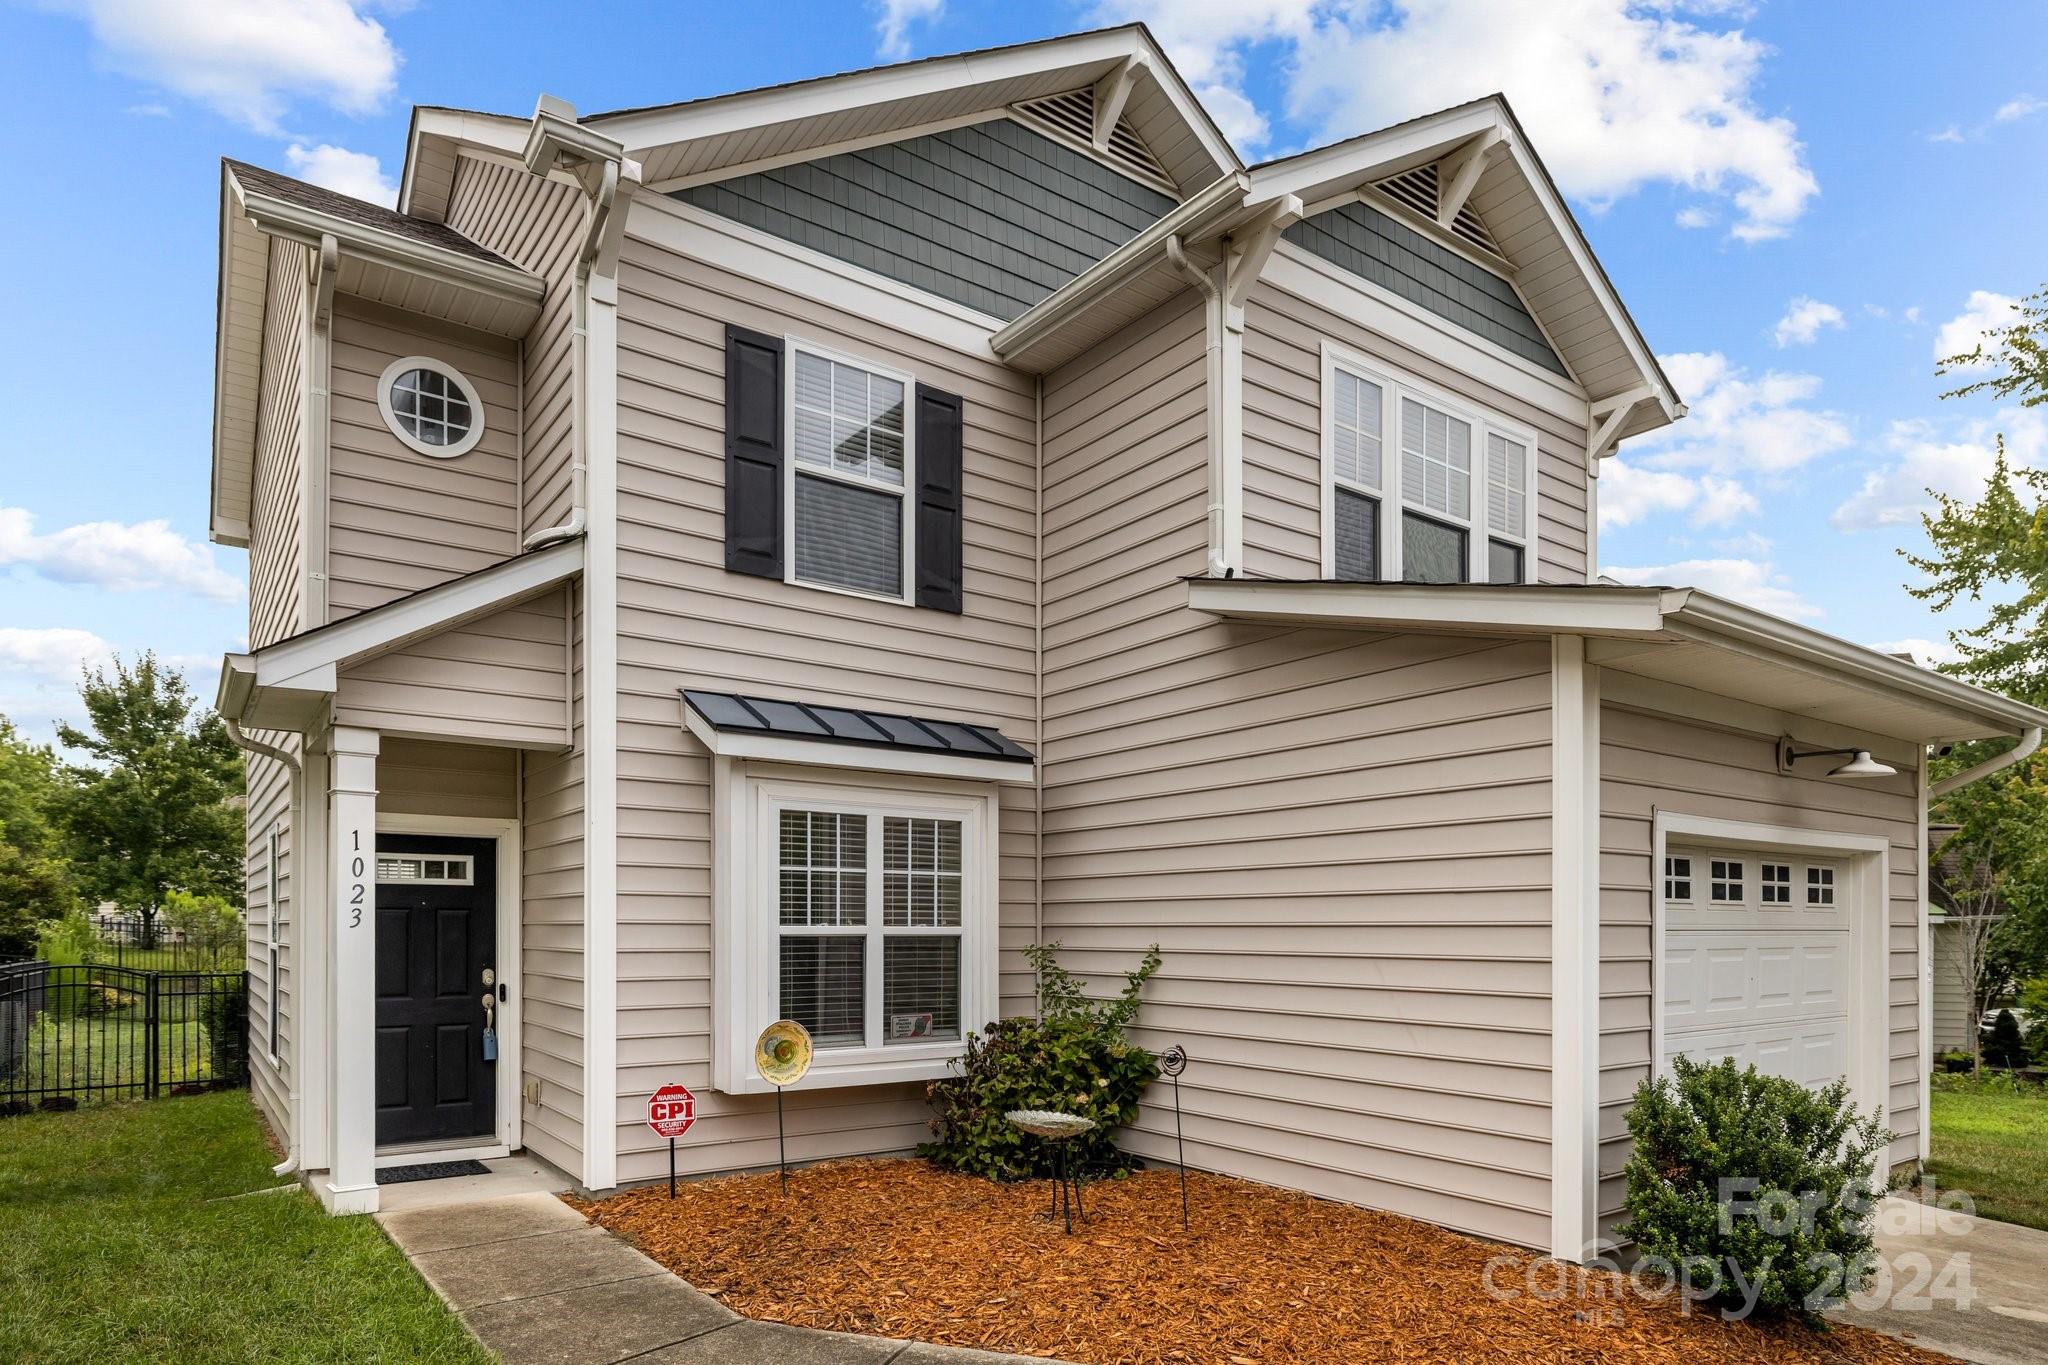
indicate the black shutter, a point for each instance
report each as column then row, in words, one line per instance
column 939, row 500
column 753, row 453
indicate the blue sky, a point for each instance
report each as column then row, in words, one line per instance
column 1798, row 202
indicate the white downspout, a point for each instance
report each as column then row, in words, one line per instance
column 2030, row 740
column 1176, row 256
column 290, row 1164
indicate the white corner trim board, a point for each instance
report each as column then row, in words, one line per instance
column 1574, row 952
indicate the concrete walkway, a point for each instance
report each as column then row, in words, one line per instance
column 538, row 1285
column 1967, row 1287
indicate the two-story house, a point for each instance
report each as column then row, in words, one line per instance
column 779, row 555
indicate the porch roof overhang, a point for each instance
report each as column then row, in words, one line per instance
column 288, row 685
column 1681, row 636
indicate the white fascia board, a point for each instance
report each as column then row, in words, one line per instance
column 1345, row 165
column 222, row 529
column 237, row 681
column 423, row 613
column 308, row 226
column 1520, row 610
column 829, row 96
column 1199, row 216
column 1703, row 616
column 818, row 753
column 504, row 134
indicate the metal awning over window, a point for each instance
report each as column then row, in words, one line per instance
column 735, row 726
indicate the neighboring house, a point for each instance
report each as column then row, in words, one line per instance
column 1955, row 1011
column 782, row 554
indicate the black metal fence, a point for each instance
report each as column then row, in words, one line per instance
column 79, row 1034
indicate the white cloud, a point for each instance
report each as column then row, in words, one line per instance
column 356, row 174
column 51, row 655
column 1965, row 332
column 1926, row 653
column 1695, row 217
column 1735, row 421
column 1751, row 581
column 1630, row 493
column 1948, row 134
column 120, row 556
column 893, row 21
column 1615, row 94
column 1804, row 318
column 1912, row 314
column 248, row 59
column 1955, row 463
column 2019, row 107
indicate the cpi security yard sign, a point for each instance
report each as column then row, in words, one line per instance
column 670, row 1112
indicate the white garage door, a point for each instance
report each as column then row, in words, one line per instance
column 1757, row 961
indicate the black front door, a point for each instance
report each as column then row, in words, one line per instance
column 437, row 931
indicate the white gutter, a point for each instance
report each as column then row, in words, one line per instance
column 290, row 1164
column 2030, row 740
column 1213, row 306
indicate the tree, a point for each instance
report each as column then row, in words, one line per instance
column 152, row 811
column 34, row 883
column 1970, row 883
column 1993, row 554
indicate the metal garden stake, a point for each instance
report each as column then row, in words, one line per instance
column 1172, row 1062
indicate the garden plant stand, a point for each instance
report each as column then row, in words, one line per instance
column 1059, row 1129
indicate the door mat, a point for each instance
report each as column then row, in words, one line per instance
column 432, row 1170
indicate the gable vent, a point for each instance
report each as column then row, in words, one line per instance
column 1417, row 189
column 1071, row 119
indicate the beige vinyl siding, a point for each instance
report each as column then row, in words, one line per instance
column 1652, row 762
column 400, row 521
column 1341, row 841
column 503, row 679
column 276, row 609
column 537, row 225
column 1954, row 1015
column 1283, row 369
column 464, row 781
column 684, row 620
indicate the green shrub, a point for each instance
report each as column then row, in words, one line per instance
column 67, row 940
column 1953, row 1060
column 224, row 1015
column 2005, row 1046
column 1073, row 1058
column 1757, row 1192
column 209, row 926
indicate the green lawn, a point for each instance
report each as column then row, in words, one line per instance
column 119, row 1245
column 1993, row 1146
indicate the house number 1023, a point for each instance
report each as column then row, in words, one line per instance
column 357, row 889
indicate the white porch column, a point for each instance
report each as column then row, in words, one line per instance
column 351, row 1185
column 1574, row 951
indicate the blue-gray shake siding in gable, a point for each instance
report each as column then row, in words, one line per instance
column 1368, row 243
column 993, row 216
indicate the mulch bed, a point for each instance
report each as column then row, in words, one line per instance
column 900, row 1248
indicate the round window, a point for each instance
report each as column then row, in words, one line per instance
column 431, row 407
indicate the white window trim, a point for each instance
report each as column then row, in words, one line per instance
column 747, row 988
column 454, row 376
column 1394, row 386
column 790, row 468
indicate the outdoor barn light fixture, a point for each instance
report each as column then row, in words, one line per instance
column 1860, row 763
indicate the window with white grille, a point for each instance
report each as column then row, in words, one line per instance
column 867, row 916
column 1417, row 486
column 1820, row 886
column 1725, row 881
column 1774, row 883
column 853, row 460
column 426, row 869
column 431, row 407
column 1678, row 879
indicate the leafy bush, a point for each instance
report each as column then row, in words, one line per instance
column 67, row 940
column 1756, row 1191
column 2004, row 1046
column 210, row 926
column 1073, row 1058
column 1953, row 1060
column 224, row 1015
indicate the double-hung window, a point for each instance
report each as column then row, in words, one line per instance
column 1418, row 487
column 853, row 462
column 867, row 916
